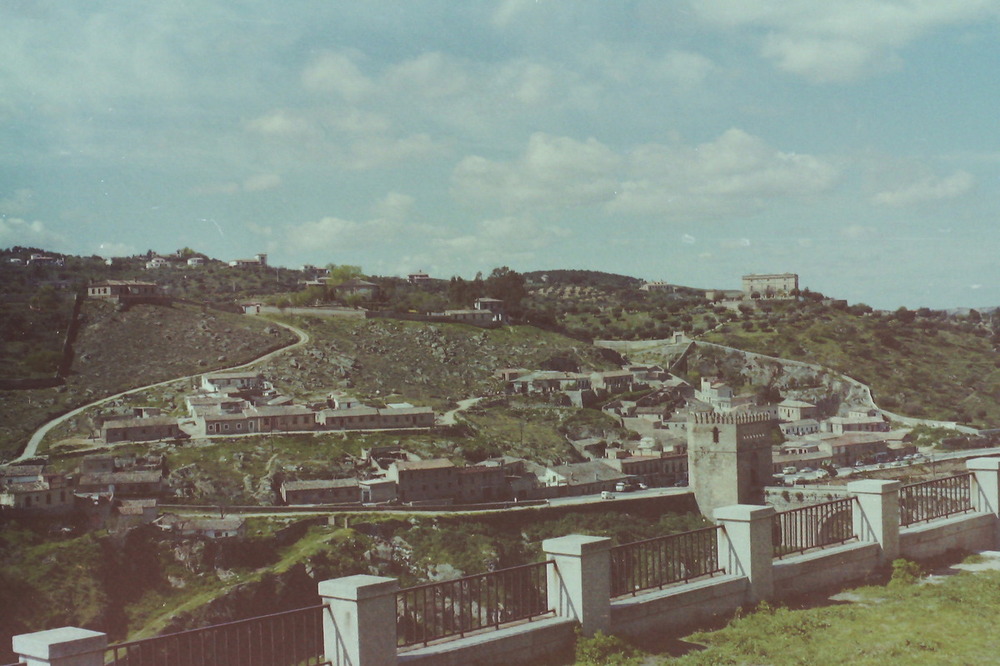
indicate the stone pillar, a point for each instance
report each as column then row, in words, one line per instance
column 745, row 546
column 580, row 583
column 67, row 646
column 876, row 517
column 359, row 622
column 986, row 492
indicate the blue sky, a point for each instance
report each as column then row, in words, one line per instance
column 854, row 143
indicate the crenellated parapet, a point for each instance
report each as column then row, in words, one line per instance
column 731, row 418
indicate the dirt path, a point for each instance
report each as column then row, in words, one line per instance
column 448, row 418
column 31, row 449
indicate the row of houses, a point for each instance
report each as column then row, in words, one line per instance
column 29, row 488
column 843, row 450
column 439, row 481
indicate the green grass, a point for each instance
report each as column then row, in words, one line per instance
column 952, row 622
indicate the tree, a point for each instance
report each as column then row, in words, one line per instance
column 339, row 274
column 508, row 286
column 905, row 316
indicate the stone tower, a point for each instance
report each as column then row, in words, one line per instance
column 729, row 458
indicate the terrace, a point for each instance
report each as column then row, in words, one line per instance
column 528, row 612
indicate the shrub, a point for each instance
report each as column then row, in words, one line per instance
column 606, row 650
column 904, row 572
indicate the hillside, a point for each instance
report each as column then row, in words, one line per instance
column 922, row 365
column 145, row 581
column 434, row 364
column 121, row 349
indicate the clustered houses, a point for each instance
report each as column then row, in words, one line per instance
column 399, row 477
column 241, row 403
column 103, row 486
column 583, row 388
column 28, row 488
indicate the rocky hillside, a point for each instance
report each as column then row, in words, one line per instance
column 121, row 349
column 434, row 364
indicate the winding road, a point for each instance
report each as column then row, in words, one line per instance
column 31, row 449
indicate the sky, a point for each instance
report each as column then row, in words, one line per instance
column 855, row 143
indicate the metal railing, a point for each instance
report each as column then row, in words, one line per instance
column 433, row 611
column 292, row 638
column 653, row 563
column 815, row 526
column 938, row 498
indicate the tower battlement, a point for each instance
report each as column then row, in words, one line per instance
column 731, row 418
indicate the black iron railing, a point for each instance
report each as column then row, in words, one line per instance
column 292, row 638
column 815, row 526
column 939, row 498
column 434, row 611
column 654, row 563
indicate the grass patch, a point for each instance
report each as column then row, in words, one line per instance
column 951, row 622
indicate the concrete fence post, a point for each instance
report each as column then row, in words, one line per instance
column 876, row 517
column 359, row 621
column 986, row 492
column 745, row 546
column 66, row 646
column 579, row 585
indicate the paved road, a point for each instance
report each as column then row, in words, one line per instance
column 36, row 439
column 266, row 512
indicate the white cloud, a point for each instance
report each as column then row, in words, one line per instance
column 394, row 206
column 330, row 233
column 377, row 151
column 16, row 231
column 552, row 172
column 928, row 189
column 684, row 68
column 18, row 203
column 431, row 75
column 503, row 240
column 262, row 181
column 282, row 123
column 857, row 232
column 256, row 183
column 337, row 73
column 737, row 172
column 508, row 10
column 839, row 41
